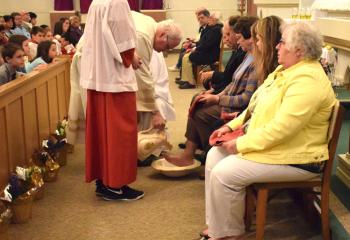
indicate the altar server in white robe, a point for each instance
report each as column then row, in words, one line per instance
column 111, row 121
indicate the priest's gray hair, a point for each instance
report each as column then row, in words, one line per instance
column 171, row 28
column 305, row 37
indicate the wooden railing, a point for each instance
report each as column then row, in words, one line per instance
column 30, row 107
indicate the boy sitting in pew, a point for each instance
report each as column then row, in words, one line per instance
column 13, row 55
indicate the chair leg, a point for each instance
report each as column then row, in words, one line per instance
column 197, row 77
column 261, row 212
column 325, row 216
column 249, row 207
column 309, row 208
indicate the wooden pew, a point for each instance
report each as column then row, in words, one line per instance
column 30, row 107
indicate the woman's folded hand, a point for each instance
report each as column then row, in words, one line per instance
column 230, row 146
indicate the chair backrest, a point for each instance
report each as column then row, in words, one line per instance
column 222, row 46
column 333, row 136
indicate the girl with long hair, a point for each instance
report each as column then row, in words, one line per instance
column 45, row 54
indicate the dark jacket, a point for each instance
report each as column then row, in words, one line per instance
column 74, row 35
column 208, row 47
column 220, row 80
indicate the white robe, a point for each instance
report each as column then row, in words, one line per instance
column 77, row 100
column 162, row 93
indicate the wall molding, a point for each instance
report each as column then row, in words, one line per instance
column 276, row 3
column 337, row 43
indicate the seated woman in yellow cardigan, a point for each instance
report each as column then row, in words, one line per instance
column 285, row 137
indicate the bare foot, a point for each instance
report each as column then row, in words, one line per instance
column 179, row 161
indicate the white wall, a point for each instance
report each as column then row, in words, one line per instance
column 182, row 11
column 281, row 8
column 40, row 7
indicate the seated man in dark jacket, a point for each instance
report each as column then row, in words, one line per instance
column 206, row 52
column 189, row 43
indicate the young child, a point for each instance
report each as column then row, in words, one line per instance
column 13, row 56
column 3, row 37
column 23, row 42
column 45, row 54
column 37, row 34
column 66, row 47
column 47, row 30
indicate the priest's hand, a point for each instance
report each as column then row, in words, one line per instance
column 158, row 121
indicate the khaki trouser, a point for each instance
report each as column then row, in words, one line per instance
column 226, row 177
column 144, row 120
column 187, row 72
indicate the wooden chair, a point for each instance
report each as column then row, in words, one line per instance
column 217, row 65
column 258, row 193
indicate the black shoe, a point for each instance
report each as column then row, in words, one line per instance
column 182, row 145
column 100, row 188
column 147, row 162
column 187, row 85
column 201, row 157
column 124, row 193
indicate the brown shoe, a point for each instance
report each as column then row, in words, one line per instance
column 201, row 175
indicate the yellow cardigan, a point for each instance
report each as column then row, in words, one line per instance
column 290, row 114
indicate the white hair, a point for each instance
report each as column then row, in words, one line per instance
column 216, row 15
column 171, row 28
column 303, row 36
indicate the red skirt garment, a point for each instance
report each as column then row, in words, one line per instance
column 111, row 138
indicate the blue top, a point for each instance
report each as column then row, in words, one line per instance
column 21, row 31
column 34, row 64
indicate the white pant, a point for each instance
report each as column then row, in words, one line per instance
column 226, row 177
